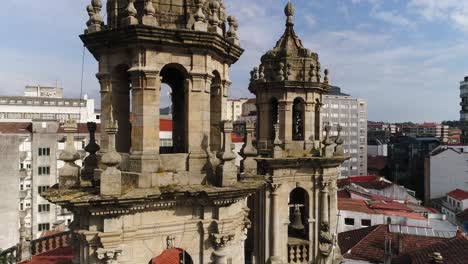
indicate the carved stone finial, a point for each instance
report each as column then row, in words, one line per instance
column 318, row 76
column 91, row 161
column 339, row 151
column 287, row 71
column 312, row 73
column 232, row 32
column 277, row 150
column 95, row 19
column 226, row 172
column 111, row 177
column 262, row 74
column 149, row 18
column 199, row 17
column 280, row 73
column 131, row 11
column 69, row 174
column 248, row 151
column 326, row 79
column 327, row 142
column 255, row 73
column 289, row 12
column 214, row 18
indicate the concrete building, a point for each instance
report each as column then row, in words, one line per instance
column 46, row 103
column 464, row 110
column 427, row 130
column 455, row 206
column 446, row 170
column 351, row 114
column 235, row 108
column 9, row 189
column 36, row 167
column 191, row 202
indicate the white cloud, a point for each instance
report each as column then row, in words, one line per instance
column 393, row 18
column 311, row 21
column 455, row 11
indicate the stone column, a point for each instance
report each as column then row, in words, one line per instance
column 285, row 119
column 274, row 225
column 248, row 152
column 105, row 82
column 226, row 172
column 333, row 206
column 69, row 174
column 309, row 125
column 144, row 156
column 324, row 209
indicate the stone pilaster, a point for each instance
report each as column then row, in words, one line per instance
column 144, row 157
column 111, row 177
column 274, row 226
column 249, row 152
column 309, row 126
column 106, row 95
column 226, row 172
column 69, row 174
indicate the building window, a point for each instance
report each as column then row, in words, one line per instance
column 21, row 206
column 43, row 208
column 44, row 151
column 349, row 221
column 44, row 170
column 44, row 227
column 365, row 222
column 41, row 189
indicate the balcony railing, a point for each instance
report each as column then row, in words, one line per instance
column 298, row 251
column 48, row 243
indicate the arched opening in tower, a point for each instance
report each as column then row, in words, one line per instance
column 121, row 98
column 173, row 97
column 298, row 214
column 298, row 119
column 273, row 109
column 317, row 119
column 215, row 112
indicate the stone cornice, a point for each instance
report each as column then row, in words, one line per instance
column 301, row 162
column 289, row 86
column 143, row 35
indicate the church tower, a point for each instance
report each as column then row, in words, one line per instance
column 136, row 201
column 299, row 208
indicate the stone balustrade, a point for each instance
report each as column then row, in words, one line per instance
column 48, row 243
column 10, row 255
column 298, row 252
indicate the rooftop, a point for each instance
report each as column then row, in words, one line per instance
column 458, row 194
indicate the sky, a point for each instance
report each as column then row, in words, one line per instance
column 406, row 57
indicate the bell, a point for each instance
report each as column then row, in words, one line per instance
column 297, row 219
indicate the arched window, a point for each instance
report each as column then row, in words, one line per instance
column 175, row 76
column 298, row 213
column 273, row 109
column 215, row 112
column 298, row 119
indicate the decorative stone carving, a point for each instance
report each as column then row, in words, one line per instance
column 318, row 75
column 327, row 143
column 312, row 74
column 326, row 79
column 326, row 242
column 280, row 74
column 226, row 172
column 214, row 18
column 111, row 177
column 69, row 174
column 254, row 74
column 95, row 19
column 200, row 23
column 221, row 241
column 232, row 32
column 248, row 151
column 91, row 161
column 262, row 74
column 108, row 256
column 170, row 241
column 339, row 150
column 277, row 150
column 149, row 18
column 131, row 18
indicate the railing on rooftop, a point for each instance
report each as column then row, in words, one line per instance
column 10, row 255
column 48, row 243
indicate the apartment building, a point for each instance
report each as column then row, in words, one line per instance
column 464, row 110
column 46, row 103
column 351, row 114
column 427, row 130
column 234, row 108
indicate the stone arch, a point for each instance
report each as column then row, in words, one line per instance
column 299, row 200
column 273, row 109
column 175, row 76
column 298, row 117
column 172, row 256
column 216, row 102
column 121, row 105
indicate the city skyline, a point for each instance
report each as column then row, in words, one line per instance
column 404, row 57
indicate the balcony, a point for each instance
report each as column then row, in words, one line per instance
column 298, row 251
column 23, row 194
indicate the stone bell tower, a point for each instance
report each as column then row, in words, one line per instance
column 136, row 201
column 299, row 208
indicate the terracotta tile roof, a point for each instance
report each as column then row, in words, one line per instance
column 458, row 194
column 387, row 205
column 347, row 240
column 15, row 127
column 169, row 256
column 453, row 250
column 343, row 194
column 349, row 204
column 62, row 255
column 372, row 246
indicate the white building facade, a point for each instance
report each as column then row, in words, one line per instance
column 351, row 114
column 46, row 103
column 234, row 108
